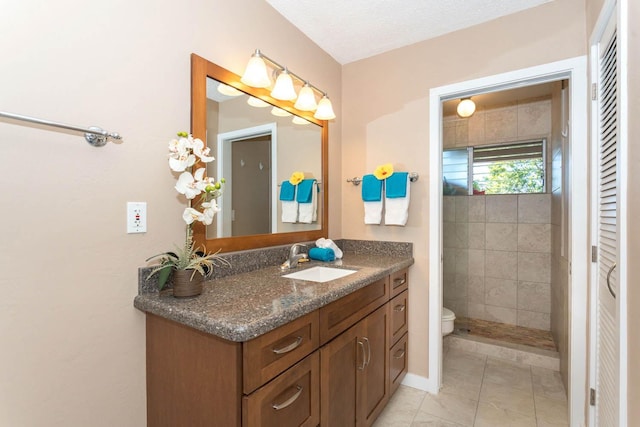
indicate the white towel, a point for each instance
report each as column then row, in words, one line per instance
column 329, row 244
column 290, row 209
column 397, row 209
column 308, row 212
column 373, row 212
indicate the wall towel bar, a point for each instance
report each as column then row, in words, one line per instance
column 356, row 180
column 94, row 135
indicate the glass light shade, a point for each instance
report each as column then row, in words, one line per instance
column 325, row 110
column 255, row 75
column 306, row 99
column 300, row 121
column 228, row 90
column 466, row 108
column 280, row 112
column 255, row 102
column 283, row 89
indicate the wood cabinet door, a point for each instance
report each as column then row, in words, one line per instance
column 340, row 360
column 373, row 380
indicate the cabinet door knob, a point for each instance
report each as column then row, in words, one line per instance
column 288, row 348
column 399, row 308
column 289, row 401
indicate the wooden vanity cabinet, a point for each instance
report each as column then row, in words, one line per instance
column 336, row 366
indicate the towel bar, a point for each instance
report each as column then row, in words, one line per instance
column 356, row 180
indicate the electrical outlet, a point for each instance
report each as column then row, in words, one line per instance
column 136, row 217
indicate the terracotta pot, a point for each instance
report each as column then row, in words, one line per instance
column 184, row 286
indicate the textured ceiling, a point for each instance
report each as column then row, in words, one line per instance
column 350, row 30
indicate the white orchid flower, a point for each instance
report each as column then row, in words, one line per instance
column 210, row 210
column 201, row 151
column 181, row 154
column 189, row 215
column 188, row 184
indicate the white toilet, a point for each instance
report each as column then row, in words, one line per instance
column 448, row 317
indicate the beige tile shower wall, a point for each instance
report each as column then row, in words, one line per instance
column 516, row 121
column 497, row 258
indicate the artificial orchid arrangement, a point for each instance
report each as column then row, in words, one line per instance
column 184, row 152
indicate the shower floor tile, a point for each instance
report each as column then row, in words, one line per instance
column 503, row 332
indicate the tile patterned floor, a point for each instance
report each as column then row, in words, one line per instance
column 502, row 332
column 482, row 391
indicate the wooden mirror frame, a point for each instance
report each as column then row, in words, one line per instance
column 200, row 70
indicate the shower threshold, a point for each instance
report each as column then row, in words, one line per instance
column 505, row 333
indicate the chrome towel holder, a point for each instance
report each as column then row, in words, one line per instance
column 356, row 180
column 95, row 136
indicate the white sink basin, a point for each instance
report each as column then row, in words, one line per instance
column 320, row 274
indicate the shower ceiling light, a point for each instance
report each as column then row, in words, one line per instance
column 466, row 108
column 256, row 75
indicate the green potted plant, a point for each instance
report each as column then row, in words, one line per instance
column 187, row 267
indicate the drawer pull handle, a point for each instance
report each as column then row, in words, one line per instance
column 288, row 348
column 399, row 308
column 399, row 281
column 368, row 351
column 289, row 401
column 399, row 356
column 364, row 362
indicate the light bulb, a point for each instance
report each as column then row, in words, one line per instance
column 283, row 89
column 255, row 102
column 306, row 99
column 325, row 110
column 255, row 75
column 466, row 108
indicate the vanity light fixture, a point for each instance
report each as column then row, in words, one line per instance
column 283, row 89
column 256, row 75
column 466, row 108
column 306, row 99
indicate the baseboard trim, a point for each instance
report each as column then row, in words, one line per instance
column 421, row 383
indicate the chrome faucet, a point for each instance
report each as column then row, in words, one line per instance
column 294, row 256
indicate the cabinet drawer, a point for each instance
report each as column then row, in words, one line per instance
column 292, row 399
column 398, row 356
column 270, row 354
column 338, row 316
column 399, row 282
column 398, row 313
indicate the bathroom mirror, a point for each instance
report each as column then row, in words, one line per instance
column 255, row 151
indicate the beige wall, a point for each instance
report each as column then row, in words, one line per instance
column 72, row 342
column 386, row 110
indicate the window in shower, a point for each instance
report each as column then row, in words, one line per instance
column 511, row 168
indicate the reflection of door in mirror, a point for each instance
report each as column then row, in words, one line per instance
column 251, row 175
column 245, row 161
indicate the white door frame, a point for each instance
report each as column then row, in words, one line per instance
column 610, row 9
column 574, row 69
column 223, row 154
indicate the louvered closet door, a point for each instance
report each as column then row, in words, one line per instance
column 608, row 360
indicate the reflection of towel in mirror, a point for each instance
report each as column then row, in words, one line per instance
column 397, row 192
column 288, row 200
column 307, row 198
column 372, row 197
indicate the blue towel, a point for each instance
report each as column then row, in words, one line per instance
column 287, row 191
column 304, row 191
column 322, row 254
column 371, row 188
column 396, row 186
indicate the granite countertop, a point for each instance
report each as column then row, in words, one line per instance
column 243, row 306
